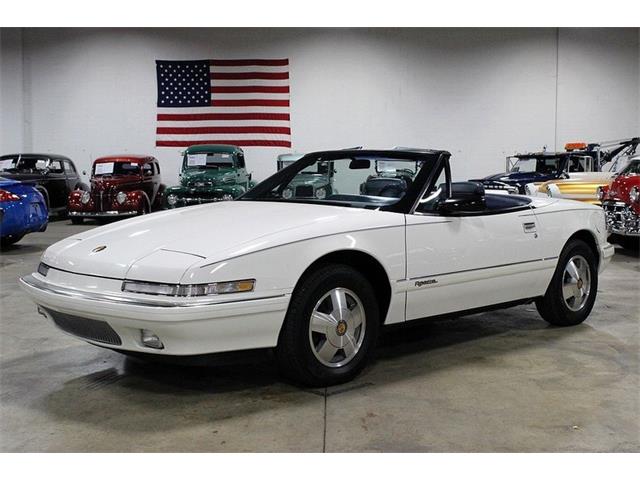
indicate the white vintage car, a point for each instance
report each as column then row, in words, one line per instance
column 316, row 278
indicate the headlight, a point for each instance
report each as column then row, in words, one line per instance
column 172, row 199
column 321, row 193
column 85, row 197
column 195, row 290
column 634, row 194
column 227, row 197
column 549, row 192
column 121, row 197
column 287, row 193
column 600, row 193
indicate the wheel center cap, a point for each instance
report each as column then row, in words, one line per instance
column 580, row 283
column 341, row 328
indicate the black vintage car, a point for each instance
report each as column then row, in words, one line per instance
column 54, row 175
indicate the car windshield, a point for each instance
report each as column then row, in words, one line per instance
column 208, row 160
column 546, row 165
column 28, row 164
column 632, row 169
column 116, row 168
column 319, row 168
column 368, row 180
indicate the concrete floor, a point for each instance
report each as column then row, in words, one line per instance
column 503, row 381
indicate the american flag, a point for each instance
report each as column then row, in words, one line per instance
column 238, row 102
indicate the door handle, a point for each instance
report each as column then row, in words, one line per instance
column 529, row 227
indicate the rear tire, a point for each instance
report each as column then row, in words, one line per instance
column 572, row 291
column 330, row 329
column 76, row 220
column 8, row 241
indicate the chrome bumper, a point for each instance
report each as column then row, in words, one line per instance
column 107, row 214
column 621, row 219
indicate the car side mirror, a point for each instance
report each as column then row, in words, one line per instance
column 84, row 172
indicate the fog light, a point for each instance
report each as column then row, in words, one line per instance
column 150, row 339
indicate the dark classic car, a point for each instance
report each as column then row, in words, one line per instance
column 621, row 203
column 313, row 182
column 210, row 173
column 22, row 210
column 388, row 180
column 523, row 169
column 54, row 176
column 121, row 186
column 534, row 169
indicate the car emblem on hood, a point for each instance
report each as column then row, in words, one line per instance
column 99, row 248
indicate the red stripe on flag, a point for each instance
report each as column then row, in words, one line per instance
column 203, row 130
column 249, row 75
column 256, row 102
column 240, row 143
column 194, row 117
column 250, row 89
column 250, row 61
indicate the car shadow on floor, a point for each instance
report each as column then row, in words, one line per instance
column 120, row 390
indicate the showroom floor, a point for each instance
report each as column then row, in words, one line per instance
column 502, row 381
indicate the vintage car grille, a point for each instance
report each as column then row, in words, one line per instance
column 304, row 191
column 621, row 218
column 96, row 330
column 200, row 184
column 102, row 200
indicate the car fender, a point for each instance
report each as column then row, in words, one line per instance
column 278, row 269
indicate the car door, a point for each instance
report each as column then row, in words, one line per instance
column 56, row 184
column 466, row 261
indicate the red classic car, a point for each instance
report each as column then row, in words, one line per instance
column 621, row 203
column 121, row 186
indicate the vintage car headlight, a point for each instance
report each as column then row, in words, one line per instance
column 172, row 199
column 321, row 193
column 287, row 193
column 85, row 197
column 121, row 197
column 600, row 193
column 195, row 290
column 634, row 194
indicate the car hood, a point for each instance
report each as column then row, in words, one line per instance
column 174, row 240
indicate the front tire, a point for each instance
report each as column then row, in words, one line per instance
column 331, row 327
column 77, row 220
column 572, row 291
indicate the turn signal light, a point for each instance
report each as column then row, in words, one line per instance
column 8, row 196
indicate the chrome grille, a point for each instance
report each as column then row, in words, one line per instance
column 621, row 218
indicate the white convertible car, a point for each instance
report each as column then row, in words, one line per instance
column 316, row 277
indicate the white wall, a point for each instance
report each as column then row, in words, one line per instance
column 480, row 93
column 11, row 91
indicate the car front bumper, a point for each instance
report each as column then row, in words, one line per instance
column 185, row 327
column 107, row 214
column 621, row 219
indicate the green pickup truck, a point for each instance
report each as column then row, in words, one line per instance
column 210, row 173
